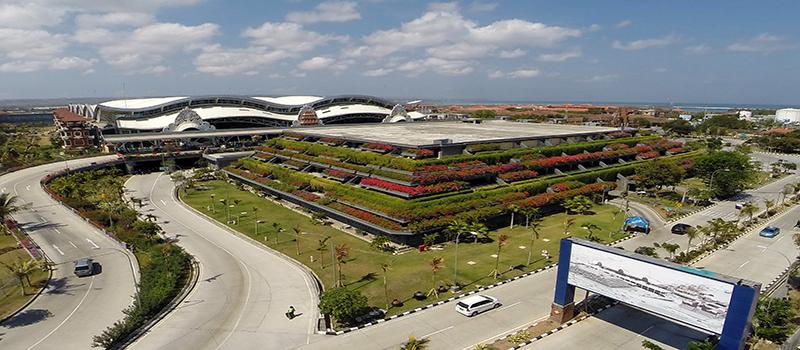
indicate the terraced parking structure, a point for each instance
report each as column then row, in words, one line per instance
column 409, row 271
column 385, row 189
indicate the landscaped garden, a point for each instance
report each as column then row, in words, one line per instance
column 20, row 275
column 323, row 248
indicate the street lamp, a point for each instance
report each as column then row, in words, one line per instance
column 455, row 271
column 711, row 180
column 213, row 206
column 258, row 222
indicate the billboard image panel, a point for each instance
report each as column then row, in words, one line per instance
column 683, row 296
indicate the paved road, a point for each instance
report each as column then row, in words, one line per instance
column 243, row 290
column 72, row 309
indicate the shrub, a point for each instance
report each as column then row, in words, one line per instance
column 342, row 304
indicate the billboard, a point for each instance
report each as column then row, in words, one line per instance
column 681, row 293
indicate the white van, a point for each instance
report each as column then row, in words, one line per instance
column 473, row 305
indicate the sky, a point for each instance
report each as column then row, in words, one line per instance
column 678, row 51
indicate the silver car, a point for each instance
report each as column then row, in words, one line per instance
column 84, row 267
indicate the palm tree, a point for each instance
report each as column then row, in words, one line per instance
column 322, row 245
column 8, row 206
column 769, row 204
column 530, row 213
column 22, row 269
column 278, row 228
column 297, row 233
column 479, row 229
column 567, row 224
column 590, row 230
column 749, row 209
column 111, row 207
column 691, row 234
column 436, row 264
column 342, row 251
column 514, row 209
column 501, row 241
column 457, row 227
column 787, row 190
column 385, row 268
column 415, row 344
column 534, row 227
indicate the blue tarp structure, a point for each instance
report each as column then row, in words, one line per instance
column 636, row 223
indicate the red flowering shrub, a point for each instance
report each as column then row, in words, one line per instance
column 617, row 146
column 518, row 175
column 648, row 155
column 619, row 134
column 643, row 148
column 675, row 150
column 422, row 153
column 366, row 216
column 379, row 147
column 337, row 173
column 561, row 187
column 331, row 140
column 413, row 190
column 306, row 195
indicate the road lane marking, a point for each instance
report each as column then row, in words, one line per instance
column 3, row 190
column 58, row 250
column 92, row 243
column 742, row 265
column 73, row 244
column 164, row 203
column 506, row 307
column 437, row 332
column 57, row 231
column 645, row 331
column 68, row 316
column 779, row 239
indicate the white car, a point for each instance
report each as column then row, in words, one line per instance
column 473, row 305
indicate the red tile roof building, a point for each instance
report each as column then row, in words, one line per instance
column 75, row 130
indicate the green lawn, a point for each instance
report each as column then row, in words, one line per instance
column 410, row 271
column 11, row 296
column 667, row 204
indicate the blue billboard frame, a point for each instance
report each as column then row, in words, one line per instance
column 740, row 309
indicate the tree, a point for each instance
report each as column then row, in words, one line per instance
column 415, row 344
column 297, row 233
column 568, row 222
column 590, row 231
column 769, row 204
column 773, row 319
column 385, row 268
column 479, row 229
column 530, row 213
column 578, row 204
column 534, row 228
column 645, row 250
column 788, row 189
column 112, row 207
column 679, row 127
column 430, row 239
column 701, row 345
column 322, row 245
column 22, row 269
column 278, row 229
column 650, row 345
column 514, row 209
column 342, row 303
column 341, row 252
column 436, row 264
column 501, row 241
column 457, row 227
column 691, row 234
column 484, row 113
column 380, row 243
column 671, row 248
column 8, row 206
column 660, row 173
column 748, row 209
column 731, row 172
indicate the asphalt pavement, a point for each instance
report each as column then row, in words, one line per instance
column 243, row 290
column 71, row 310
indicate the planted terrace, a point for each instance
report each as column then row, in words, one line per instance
column 389, row 189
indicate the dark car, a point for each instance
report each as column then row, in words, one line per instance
column 680, row 229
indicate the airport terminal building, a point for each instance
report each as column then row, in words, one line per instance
column 203, row 113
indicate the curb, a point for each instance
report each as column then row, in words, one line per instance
column 557, row 329
column 177, row 300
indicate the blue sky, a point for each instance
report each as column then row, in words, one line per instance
column 628, row 51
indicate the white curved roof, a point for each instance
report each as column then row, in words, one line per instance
column 338, row 110
column 206, row 113
column 137, row 103
column 291, row 100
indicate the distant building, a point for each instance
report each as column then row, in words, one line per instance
column 745, row 114
column 686, row 117
column 788, row 115
column 75, row 130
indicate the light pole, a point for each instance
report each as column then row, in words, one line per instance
column 258, row 222
column 213, row 206
column 711, row 180
column 455, row 268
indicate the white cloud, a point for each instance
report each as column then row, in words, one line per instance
column 327, row 11
column 217, row 60
column 661, row 70
column 29, row 15
column 289, row 37
column 700, row 49
column 114, row 19
column 72, row 62
column 624, row 23
column 763, row 43
column 378, row 72
column 443, row 7
column 30, row 44
column 561, row 56
column 601, row 78
column 595, row 28
column 517, row 74
column 516, row 32
column 316, row 63
column 646, row 43
column 436, row 65
column 512, row 53
column 458, row 51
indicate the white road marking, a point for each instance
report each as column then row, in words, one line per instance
column 3, row 190
column 57, row 231
column 92, row 243
column 66, row 319
column 164, row 203
column 742, row 265
column 506, row 307
column 779, row 239
column 437, row 332
column 73, row 244
column 28, row 187
column 58, row 250
column 645, row 331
